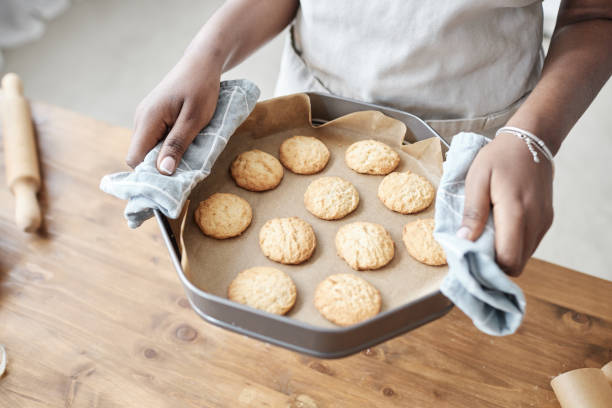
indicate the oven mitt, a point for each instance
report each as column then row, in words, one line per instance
column 146, row 189
column 474, row 283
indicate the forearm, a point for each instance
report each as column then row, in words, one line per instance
column 237, row 29
column 578, row 64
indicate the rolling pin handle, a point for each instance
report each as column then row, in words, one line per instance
column 21, row 158
column 27, row 209
column 12, row 85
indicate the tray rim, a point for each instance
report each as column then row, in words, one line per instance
column 173, row 249
column 384, row 109
column 162, row 220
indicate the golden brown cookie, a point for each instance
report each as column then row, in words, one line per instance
column 346, row 299
column 406, row 192
column 420, row 243
column 371, row 157
column 331, row 198
column 304, row 154
column 263, row 288
column 364, row 245
column 255, row 170
column 223, row 215
column 287, row 240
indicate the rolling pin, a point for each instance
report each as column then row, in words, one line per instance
column 22, row 172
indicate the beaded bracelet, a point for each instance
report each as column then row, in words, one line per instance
column 533, row 142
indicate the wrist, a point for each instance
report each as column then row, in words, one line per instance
column 208, row 49
column 536, row 147
column 197, row 62
column 547, row 132
column 209, row 60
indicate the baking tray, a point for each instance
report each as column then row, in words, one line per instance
column 299, row 336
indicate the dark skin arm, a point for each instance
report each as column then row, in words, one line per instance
column 185, row 100
column 504, row 178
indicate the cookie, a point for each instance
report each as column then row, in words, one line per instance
column 223, row 215
column 287, row 240
column 371, row 157
column 256, row 171
column 364, row 245
column 346, row 299
column 406, row 192
column 263, row 288
column 304, row 154
column 331, row 198
column 420, row 243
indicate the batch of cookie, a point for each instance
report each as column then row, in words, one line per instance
column 344, row 298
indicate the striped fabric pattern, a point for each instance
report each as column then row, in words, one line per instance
column 474, row 283
column 146, row 189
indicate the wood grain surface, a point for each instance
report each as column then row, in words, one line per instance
column 93, row 315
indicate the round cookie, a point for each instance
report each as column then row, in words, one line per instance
column 346, row 299
column 287, row 240
column 406, row 192
column 223, row 215
column 371, row 157
column 304, row 154
column 420, row 243
column 263, row 288
column 331, row 198
column 364, row 245
column 255, row 170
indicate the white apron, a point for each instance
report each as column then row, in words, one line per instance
column 462, row 65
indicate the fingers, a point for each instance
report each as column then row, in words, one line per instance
column 148, row 131
column 186, row 128
column 477, row 201
column 538, row 221
column 503, row 177
column 510, row 230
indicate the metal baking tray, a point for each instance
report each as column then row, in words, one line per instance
column 296, row 335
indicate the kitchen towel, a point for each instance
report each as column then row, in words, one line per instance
column 146, row 189
column 475, row 283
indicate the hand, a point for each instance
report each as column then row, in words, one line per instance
column 178, row 108
column 504, row 177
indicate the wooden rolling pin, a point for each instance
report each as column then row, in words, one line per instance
column 22, row 173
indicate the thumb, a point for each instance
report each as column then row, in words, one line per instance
column 477, row 202
column 184, row 130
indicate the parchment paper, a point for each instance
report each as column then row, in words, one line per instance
column 212, row 264
column 584, row 388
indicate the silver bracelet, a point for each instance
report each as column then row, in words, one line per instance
column 533, row 142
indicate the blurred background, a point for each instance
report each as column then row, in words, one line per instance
column 101, row 57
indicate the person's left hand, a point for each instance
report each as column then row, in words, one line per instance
column 504, row 177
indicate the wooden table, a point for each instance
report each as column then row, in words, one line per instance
column 92, row 314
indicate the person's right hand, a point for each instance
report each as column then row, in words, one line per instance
column 178, row 108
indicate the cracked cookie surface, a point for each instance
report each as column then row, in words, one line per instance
column 364, row 245
column 420, row 243
column 346, row 299
column 406, row 192
column 304, row 154
column 264, row 288
column 255, row 170
column 287, row 240
column 223, row 215
column 371, row 157
column 331, row 198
